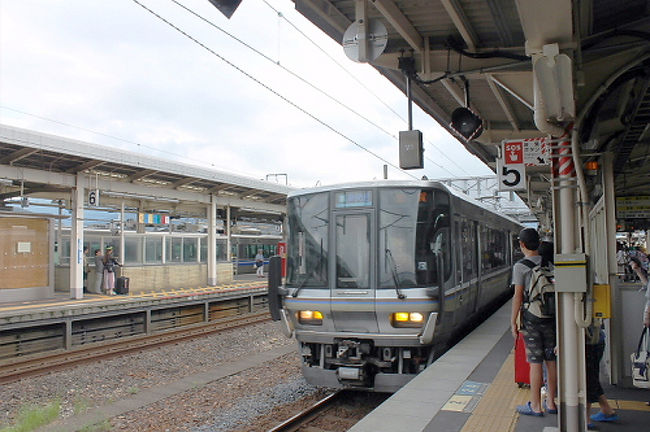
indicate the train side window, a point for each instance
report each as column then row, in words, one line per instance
column 468, row 243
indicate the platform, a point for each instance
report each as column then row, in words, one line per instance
column 471, row 388
column 62, row 306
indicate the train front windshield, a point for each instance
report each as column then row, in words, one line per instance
column 383, row 238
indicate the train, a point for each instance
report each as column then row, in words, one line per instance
column 380, row 276
column 246, row 245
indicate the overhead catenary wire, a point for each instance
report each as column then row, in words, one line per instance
column 267, row 87
column 297, row 76
column 351, row 75
column 296, row 28
column 303, row 80
column 287, row 70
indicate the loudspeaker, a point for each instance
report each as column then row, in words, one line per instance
column 466, row 123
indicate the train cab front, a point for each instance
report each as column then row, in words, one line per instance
column 339, row 355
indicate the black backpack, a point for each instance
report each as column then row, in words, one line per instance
column 539, row 295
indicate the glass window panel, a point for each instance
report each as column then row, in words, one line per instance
column 153, row 250
column 189, row 249
column 397, row 235
column 222, row 247
column 308, row 219
column 469, row 250
column 133, row 250
column 353, row 251
column 204, row 249
column 173, row 249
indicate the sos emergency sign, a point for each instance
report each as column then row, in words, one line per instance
column 511, row 168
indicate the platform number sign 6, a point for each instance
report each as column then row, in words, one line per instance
column 93, row 197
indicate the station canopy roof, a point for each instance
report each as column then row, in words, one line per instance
column 485, row 46
column 46, row 166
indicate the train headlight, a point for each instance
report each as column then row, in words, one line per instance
column 310, row 317
column 407, row 319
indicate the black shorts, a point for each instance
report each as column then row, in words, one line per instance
column 594, row 353
column 539, row 335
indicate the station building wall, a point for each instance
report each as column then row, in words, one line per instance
column 25, row 259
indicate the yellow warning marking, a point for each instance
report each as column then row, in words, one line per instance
column 630, row 405
column 457, row 403
column 496, row 411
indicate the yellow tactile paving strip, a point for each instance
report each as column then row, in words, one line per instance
column 496, row 409
column 629, row 405
column 169, row 294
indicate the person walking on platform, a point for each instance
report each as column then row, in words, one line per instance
column 594, row 349
column 85, row 269
column 110, row 264
column 259, row 263
column 538, row 329
column 99, row 271
column 643, row 277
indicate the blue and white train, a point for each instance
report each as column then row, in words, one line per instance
column 381, row 275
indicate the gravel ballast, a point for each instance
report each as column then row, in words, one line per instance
column 222, row 405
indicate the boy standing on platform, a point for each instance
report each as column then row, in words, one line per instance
column 539, row 331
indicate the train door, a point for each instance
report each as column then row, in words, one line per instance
column 353, row 295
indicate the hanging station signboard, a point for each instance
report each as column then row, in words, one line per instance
column 516, row 156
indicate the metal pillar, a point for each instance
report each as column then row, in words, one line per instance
column 228, row 236
column 77, row 240
column 122, row 242
column 212, row 241
column 570, row 337
column 615, row 339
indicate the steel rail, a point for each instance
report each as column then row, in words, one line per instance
column 297, row 421
column 16, row 369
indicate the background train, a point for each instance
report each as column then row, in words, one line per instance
column 381, row 275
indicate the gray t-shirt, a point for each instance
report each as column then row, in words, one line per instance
column 99, row 263
column 521, row 275
column 521, row 272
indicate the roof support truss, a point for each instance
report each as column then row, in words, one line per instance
column 85, row 166
column 403, row 26
column 505, row 105
column 461, row 22
column 18, row 155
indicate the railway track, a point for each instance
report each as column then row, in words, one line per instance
column 336, row 412
column 20, row 367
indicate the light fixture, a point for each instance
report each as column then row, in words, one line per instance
column 464, row 121
column 591, row 168
column 310, row 317
column 407, row 319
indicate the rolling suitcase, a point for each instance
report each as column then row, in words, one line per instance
column 522, row 367
column 122, row 285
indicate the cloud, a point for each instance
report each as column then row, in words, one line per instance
column 114, row 68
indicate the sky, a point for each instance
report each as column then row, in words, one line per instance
column 284, row 100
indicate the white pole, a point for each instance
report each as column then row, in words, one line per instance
column 122, row 242
column 228, row 238
column 570, row 336
column 77, row 240
column 212, row 241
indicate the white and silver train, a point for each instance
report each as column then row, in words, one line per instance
column 381, row 275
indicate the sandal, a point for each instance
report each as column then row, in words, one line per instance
column 528, row 410
column 602, row 417
column 548, row 410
